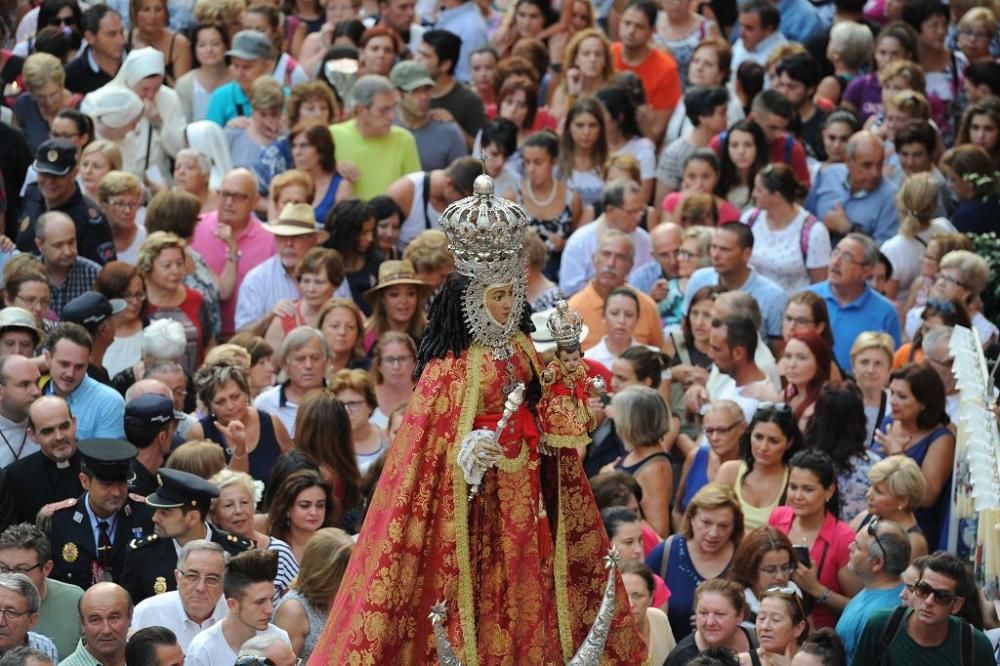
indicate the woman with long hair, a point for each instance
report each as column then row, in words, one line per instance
column 760, row 479
column 529, row 19
column 765, row 559
column 980, row 126
column 837, row 428
column 811, row 519
column 150, row 27
column 863, row 96
column 744, row 153
column 624, row 135
column 805, row 365
column 342, row 324
column 120, row 280
column 397, row 303
column 356, row 391
column 209, row 43
column 351, row 224
column 393, row 363
column 323, row 431
column 700, row 173
column 806, row 311
column 584, row 150
column 587, row 67
column 301, row 506
column 302, row 612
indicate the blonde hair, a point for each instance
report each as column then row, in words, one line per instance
column 429, row 251
column 979, row 16
column 116, row 183
column 155, row 243
column 291, row 178
column 917, row 203
column 266, row 94
column 40, row 69
column 975, row 270
column 535, row 250
column 223, row 12
column 902, row 477
column 324, row 562
column 782, row 52
column 696, row 209
column 573, row 48
column 911, row 71
column 229, row 354
column 106, row 148
column 912, row 103
column 729, row 406
column 714, row 496
column 874, row 340
column 201, row 457
column 625, row 162
column 642, row 417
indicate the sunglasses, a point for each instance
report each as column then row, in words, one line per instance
column 787, row 592
column 779, row 407
column 941, row 597
column 873, row 533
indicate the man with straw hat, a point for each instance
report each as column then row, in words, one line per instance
column 270, row 287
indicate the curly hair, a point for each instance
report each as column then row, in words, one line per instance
column 153, row 246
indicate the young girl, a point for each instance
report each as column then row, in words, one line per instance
column 701, row 173
column 565, row 385
column 744, row 153
column 584, row 149
column 943, row 67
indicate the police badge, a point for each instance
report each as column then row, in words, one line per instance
column 160, row 585
column 70, row 552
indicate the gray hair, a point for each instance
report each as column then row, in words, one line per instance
column 164, row 340
column 642, row 417
column 935, row 337
column 609, row 235
column 19, row 656
column 743, row 305
column 892, row 547
column 197, row 546
column 21, row 584
column 45, row 218
column 257, row 646
column 203, row 161
column 367, row 87
column 858, row 137
column 299, row 338
column 615, row 191
column 853, row 41
column 871, row 248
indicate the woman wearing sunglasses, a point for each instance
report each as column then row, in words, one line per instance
column 781, row 628
column 821, row 541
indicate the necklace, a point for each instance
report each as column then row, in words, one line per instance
column 535, row 200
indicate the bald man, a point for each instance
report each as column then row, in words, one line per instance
column 18, row 390
column 854, row 196
column 105, row 613
column 655, row 277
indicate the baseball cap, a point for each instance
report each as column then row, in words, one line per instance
column 91, row 308
column 55, row 157
column 147, row 415
column 409, row 75
column 251, row 45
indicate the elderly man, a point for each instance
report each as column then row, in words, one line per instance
column 52, row 473
column 18, row 389
column 269, row 646
column 68, row 273
column 20, row 602
column 623, row 209
column 612, row 261
column 24, row 548
column 155, row 646
column 197, row 602
column 439, row 143
column 106, row 612
column 854, row 196
column 295, row 232
column 303, row 356
column 18, row 332
column 233, row 237
column 879, row 553
column 370, row 138
column 58, row 191
column 657, row 277
column 90, row 533
column 99, row 409
column 730, row 251
column 251, row 56
column 167, row 379
column 853, row 305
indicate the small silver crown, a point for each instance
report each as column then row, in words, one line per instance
column 486, row 233
column 565, row 325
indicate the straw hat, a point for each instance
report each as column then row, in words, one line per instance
column 393, row 272
column 297, row 220
column 542, row 336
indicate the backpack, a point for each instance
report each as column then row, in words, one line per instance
column 895, row 624
column 803, row 237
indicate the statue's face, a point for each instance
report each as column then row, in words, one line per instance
column 499, row 301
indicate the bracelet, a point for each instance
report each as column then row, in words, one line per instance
column 822, row 599
column 234, row 256
column 236, row 457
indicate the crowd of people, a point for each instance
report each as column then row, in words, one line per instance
column 221, row 242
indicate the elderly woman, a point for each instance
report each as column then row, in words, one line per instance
column 303, row 611
column 161, row 263
column 319, row 273
column 192, row 174
column 896, row 489
column 210, row 139
column 292, row 186
column 397, row 303
column 711, row 531
column 719, row 610
column 764, row 559
column 177, row 213
column 962, row 275
column 871, row 363
column 120, row 195
column 118, row 279
column 251, row 439
column 26, row 285
column 303, row 357
column 246, row 143
column 46, row 95
column 341, row 322
column 161, row 341
column 98, row 159
column 431, row 258
column 356, row 390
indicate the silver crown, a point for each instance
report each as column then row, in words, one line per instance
column 565, row 325
column 486, row 233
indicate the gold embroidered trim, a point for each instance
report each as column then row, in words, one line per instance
column 460, row 491
column 513, row 464
column 560, row 569
column 566, row 441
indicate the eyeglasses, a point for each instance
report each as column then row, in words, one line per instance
column 19, row 570
column 397, row 360
column 241, row 197
column 779, row 407
column 845, row 257
column 873, row 533
column 124, row 205
column 798, row 321
column 353, row 405
column 139, row 296
column 975, row 34
column 194, row 578
column 709, row 432
column 9, row 614
column 774, row 570
column 947, row 279
column 685, row 254
column 941, row 597
column 63, row 135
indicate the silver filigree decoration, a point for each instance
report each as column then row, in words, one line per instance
column 446, row 654
column 483, row 328
column 592, row 649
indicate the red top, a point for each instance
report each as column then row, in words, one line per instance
column 727, row 211
column 658, row 72
column 543, row 121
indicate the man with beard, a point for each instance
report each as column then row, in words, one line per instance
column 89, row 534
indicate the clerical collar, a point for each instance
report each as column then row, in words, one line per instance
column 62, row 465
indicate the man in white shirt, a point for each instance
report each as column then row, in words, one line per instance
column 18, row 389
column 249, row 587
column 759, row 34
column 197, row 602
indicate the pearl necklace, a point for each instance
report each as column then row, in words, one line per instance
column 534, row 199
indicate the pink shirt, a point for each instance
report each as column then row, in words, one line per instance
column 255, row 246
column 829, row 553
column 727, row 211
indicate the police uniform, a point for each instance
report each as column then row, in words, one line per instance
column 37, row 480
column 93, row 233
column 76, row 549
column 151, row 561
column 145, row 418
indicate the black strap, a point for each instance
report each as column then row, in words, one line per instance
column 881, row 415
column 754, row 657
column 149, row 144
column 427, row 198
column 889, row 633
column 966, row 643
column 240, row 111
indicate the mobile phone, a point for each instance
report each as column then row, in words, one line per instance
column 802, row 555
column 605, row 399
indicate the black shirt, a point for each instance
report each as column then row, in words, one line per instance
column 15, row 158
column 36, row 480
column 465, row 106
column 93, row 233
column 80, row 78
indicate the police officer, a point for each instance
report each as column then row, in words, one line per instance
column 181, row 503
column 57, row 189
column 90, row 534
column 150, row 423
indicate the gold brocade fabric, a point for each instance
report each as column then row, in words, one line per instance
column 563, row 411
column 520, row 567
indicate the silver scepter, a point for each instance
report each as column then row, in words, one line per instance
column 473, row 460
